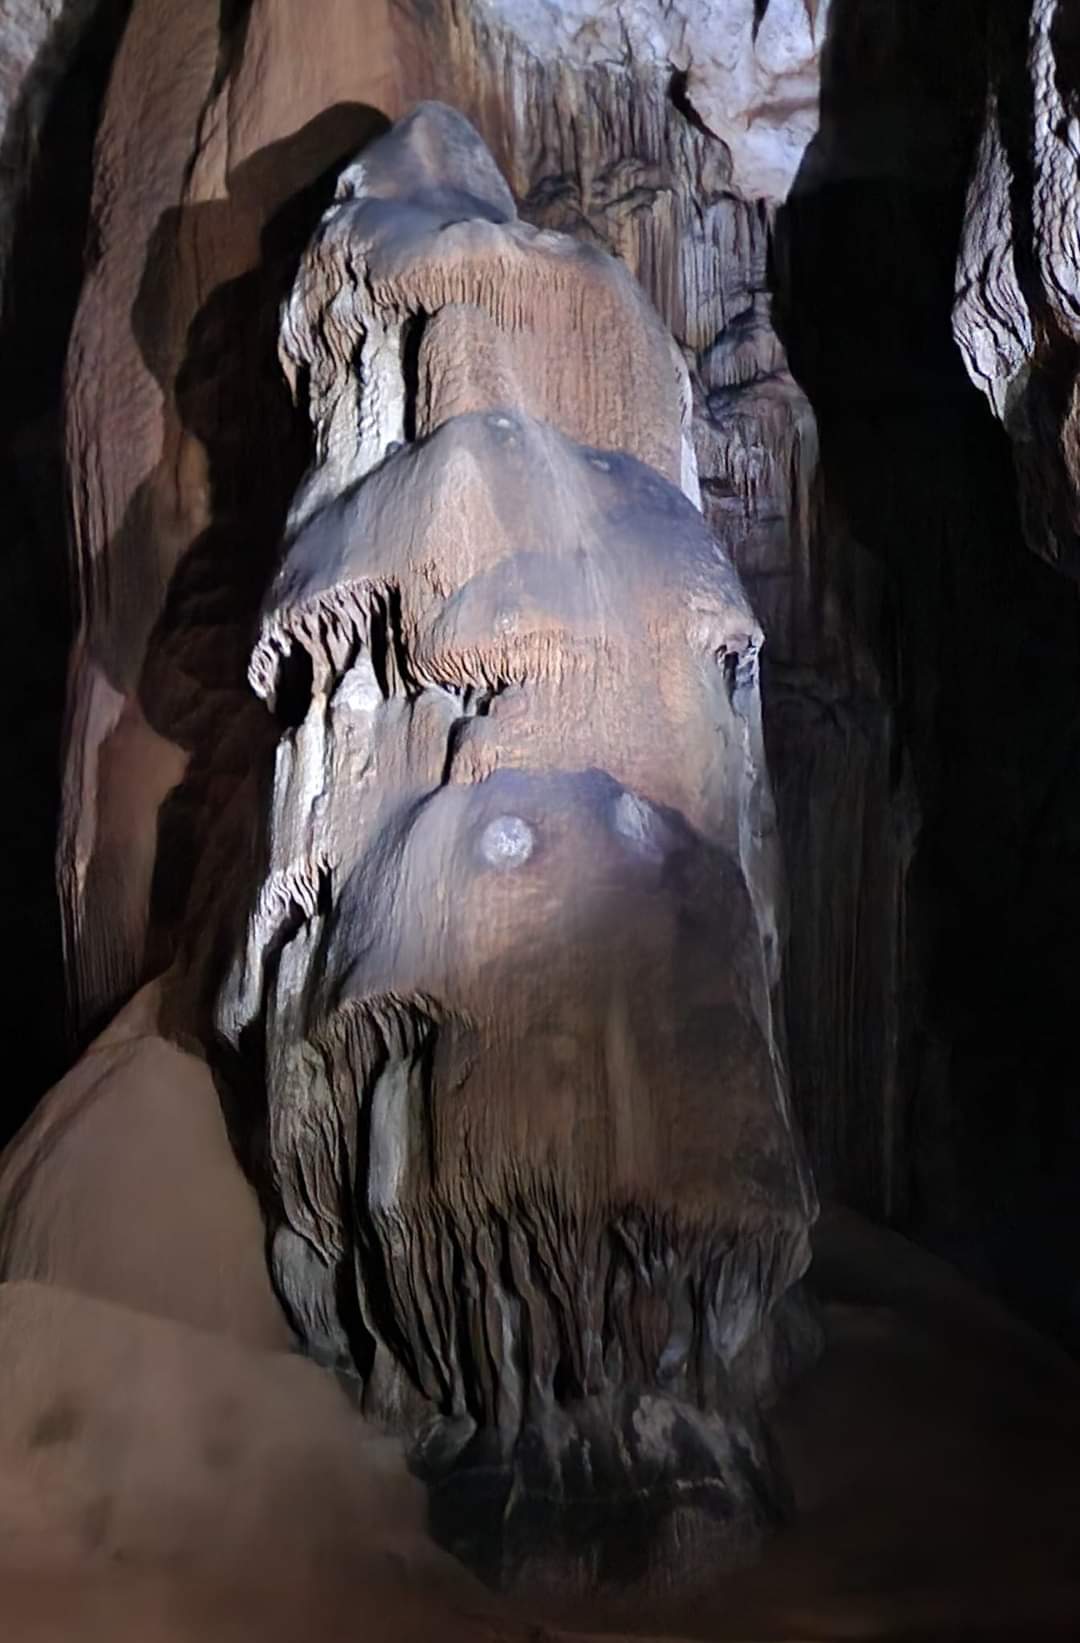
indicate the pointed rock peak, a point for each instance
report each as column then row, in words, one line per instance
column 433, row 158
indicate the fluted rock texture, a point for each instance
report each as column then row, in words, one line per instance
column 54, row 61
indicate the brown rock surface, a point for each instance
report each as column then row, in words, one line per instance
column 123, row 1185
column 424, row 253
column 38, row 39
column 159, row 1483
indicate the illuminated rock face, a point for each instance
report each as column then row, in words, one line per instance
column 1017, row 311
column 512, row 967
column 749, row 69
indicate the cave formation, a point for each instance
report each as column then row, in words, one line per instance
column 544, row 693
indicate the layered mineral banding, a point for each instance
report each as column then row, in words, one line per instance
column 426, row 277
column 512, row 967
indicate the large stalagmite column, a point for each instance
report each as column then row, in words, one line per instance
column 510, row 973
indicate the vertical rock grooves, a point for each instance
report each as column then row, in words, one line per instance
column 568, row 1364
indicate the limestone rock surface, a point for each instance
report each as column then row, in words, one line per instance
column 179, row 513
column 750, row 71
column 482, row 309
column 873, row 553
column 161, row 1481
column 208, row 172
column 123, row 1185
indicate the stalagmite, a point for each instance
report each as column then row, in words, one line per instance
column 514, row 987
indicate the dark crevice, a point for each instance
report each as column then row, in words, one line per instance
column 42, row 282
column 475, row 704
column 729, row 664
column 295, row 687
column 411, row 340
column 233, row 20
column 679, row 98
column 399, row 649
column 1065, row 42
column 380, row 646
column 453, row 744
column 919, row 482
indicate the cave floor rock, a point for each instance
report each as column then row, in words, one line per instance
column 161, row 1483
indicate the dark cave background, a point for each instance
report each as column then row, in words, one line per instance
column 978, row 640
column 42, row 281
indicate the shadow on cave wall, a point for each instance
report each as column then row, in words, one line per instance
column 224, row 384
column 983, row 660
column 42, row 282
column 229, row 393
